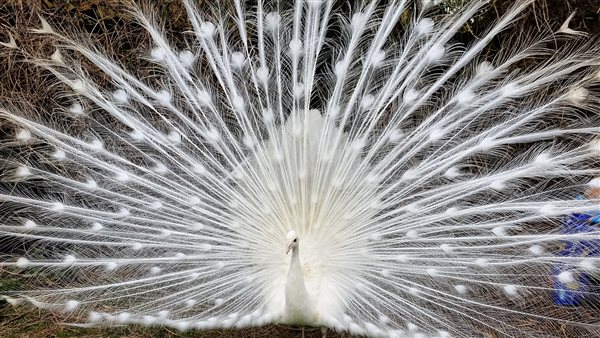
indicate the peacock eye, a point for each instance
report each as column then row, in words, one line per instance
column 295, row 240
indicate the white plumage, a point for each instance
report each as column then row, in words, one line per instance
column 416, row 185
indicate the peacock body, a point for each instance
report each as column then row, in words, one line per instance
column 302, row 163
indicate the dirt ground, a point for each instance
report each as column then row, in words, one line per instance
column 25, row 323
column 105, row 23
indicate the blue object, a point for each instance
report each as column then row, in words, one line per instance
column 574, row 293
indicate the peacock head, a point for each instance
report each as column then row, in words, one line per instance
column 291, row 240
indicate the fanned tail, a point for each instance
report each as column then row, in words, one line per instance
column 427, row 182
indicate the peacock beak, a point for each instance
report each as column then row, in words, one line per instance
column 289, row 248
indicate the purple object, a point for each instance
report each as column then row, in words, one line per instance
column 575, row 292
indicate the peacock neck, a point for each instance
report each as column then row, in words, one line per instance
column 298, row 308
